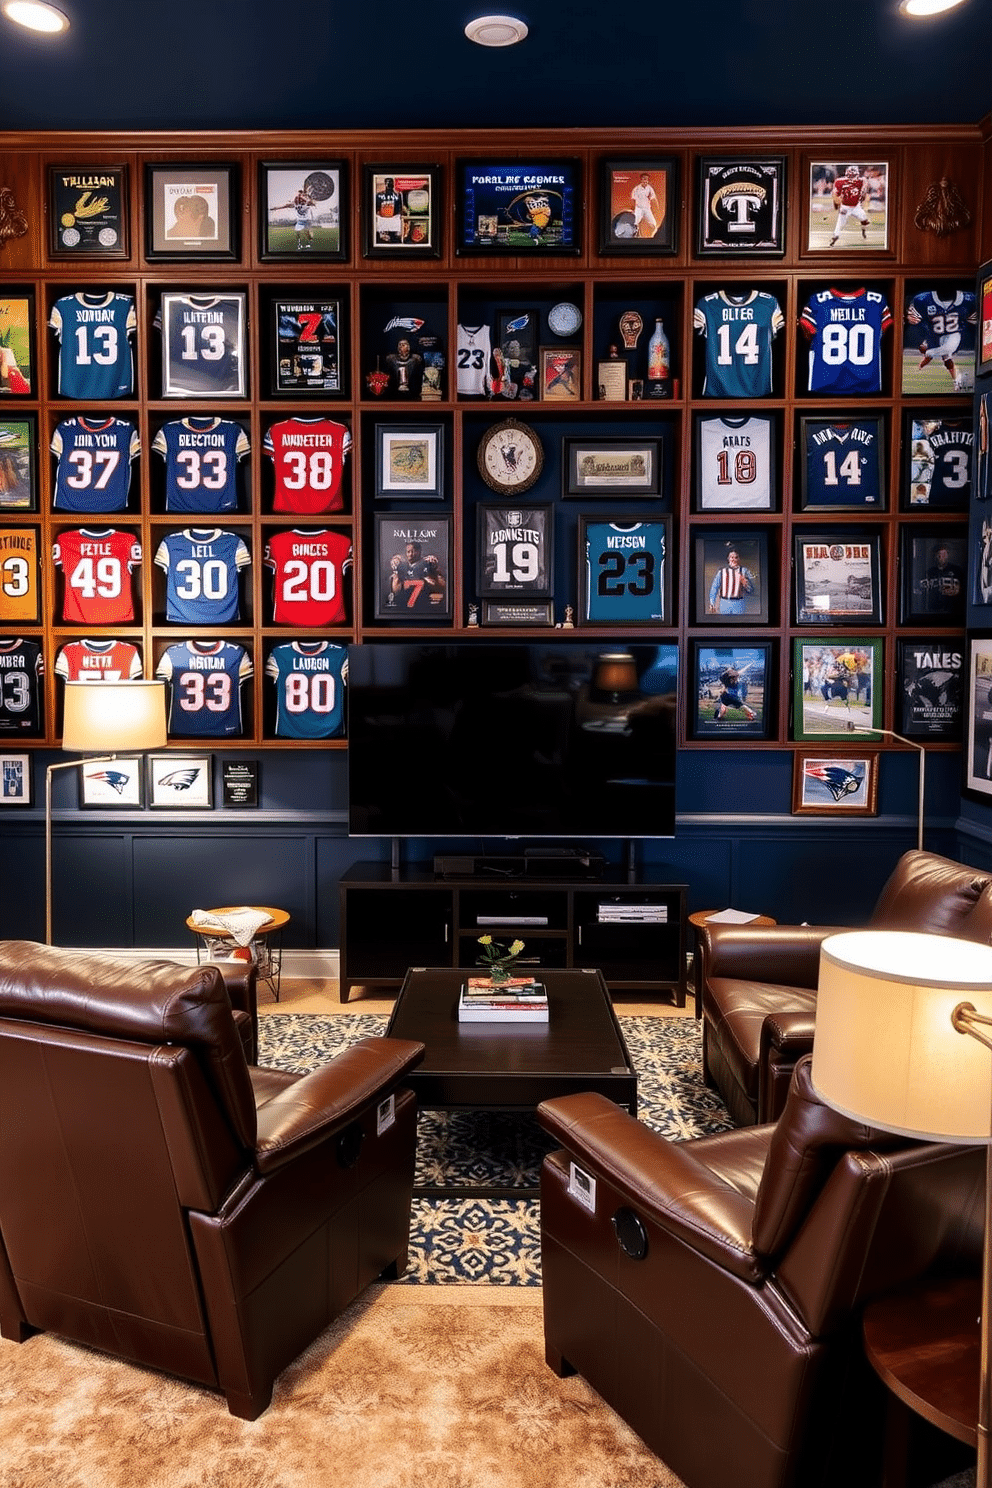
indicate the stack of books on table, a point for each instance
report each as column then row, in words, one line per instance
column 520, row 1000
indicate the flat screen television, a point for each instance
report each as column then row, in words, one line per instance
column 556, row 739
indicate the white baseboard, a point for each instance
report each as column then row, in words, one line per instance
column 311, row 965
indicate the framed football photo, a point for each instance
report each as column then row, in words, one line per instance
column 526, row 207
column 732, row 691
column 306, row 347
column 731, row 576
column 978, row 715
column 401, row 211
column 933, row 564
column 625, row 574
column 837, row 687
column 837, row 578
column 741, row 207
column 842, row 465
column 848, row 206
column 639, row 207
column 18, row 439
column 87, row 211
column 938, row 461
column 15, row 779
column 938, row 341
column 413, row 563
column 515, row 551
column 303, row 209
column 191, row 212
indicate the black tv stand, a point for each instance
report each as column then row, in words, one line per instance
column 533, row 862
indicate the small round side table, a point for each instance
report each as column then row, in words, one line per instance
column 696, row 920
column 265, row 945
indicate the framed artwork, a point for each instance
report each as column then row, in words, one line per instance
column 625, row 572
column 639, row 207
column 938, row 339
column 828, row 785
column 114, row 785
column 18, row 477
column 401, row 211
column 842, row 463
column 303, row 209
column 741, row 206
column 938, row 461
column 731, row 691
column 734, row 463
column 409, row 461
column 930, row 670
column 16, row 345
column 983, row 354
column 15, row 779
column 978, row 716
column 20, row 584
column 731, row 576
column 837, row 578
column 933, row 564
column 413, row 564
column 306, row 347
column 836, row 687
column 982, row 562
column 561, row 374
column 180, row 782
column 514, row 551
column 191, row 212
column 533, row 206
column 848, row 206
column 611, row 467
column 204, row 345
column 87, row 211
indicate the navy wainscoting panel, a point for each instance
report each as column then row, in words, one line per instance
column 92, row 890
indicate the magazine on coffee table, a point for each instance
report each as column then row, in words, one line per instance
column 519, row 1000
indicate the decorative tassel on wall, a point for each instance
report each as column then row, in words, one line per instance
column 942, row 210
column 13, row 223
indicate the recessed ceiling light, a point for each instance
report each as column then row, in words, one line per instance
column 926, row 7
column 36, row 15
column 496, row 30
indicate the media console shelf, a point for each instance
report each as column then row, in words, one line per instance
column 634, row 933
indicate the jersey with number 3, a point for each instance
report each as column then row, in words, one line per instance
column 18, row 573
column 201, row 458
column 94, row 456
column 739, row 330
column 308, row 458
column 98, row 567
column 94, row 331
column 22, row 666
column 845, row 333
column 205, row 680
column 309, row 570
column 309, row 678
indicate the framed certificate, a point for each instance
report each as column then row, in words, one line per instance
column 611, row 467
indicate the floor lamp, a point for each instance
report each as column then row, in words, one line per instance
column 105, row 719
column 890, row 1011
column 891, row 734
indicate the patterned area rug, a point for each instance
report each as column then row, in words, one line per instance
column 497, row 1241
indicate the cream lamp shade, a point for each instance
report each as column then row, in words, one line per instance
column 886, row 1051
column 114, row 717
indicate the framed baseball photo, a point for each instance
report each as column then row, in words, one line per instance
column 409, row 461
column 930, row 692
column 837, row 578
column 16, row 345
column 978, row 718
column 15, row 779
column 303, row 210
column 734, row 463
column 204, row 346
column 307, row 357
column 837, row 687
column 561, row 374
column 191, row 212
column 842, row 463
column 111, row 785
column 731, row 691
column 848, row 206
column 639, row 207
column 730, row 576
column 938, row 461
column 531, row 207
column 983, row 353
column 625, row 572
column 627, row 468
column 413, row 564
column 401, row 211
column 741, row 207
column 180, row 782
column 514, row 551
column 832, row 785
column 933, row 565
column 87, row 211
column 18, row 478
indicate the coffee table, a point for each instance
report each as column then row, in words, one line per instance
column 512, row 1066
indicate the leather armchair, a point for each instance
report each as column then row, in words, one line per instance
column 163, row 1201
column 759, row 983
column 710, row 1290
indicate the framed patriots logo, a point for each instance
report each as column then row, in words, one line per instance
column 111, row 785
column 829, row 785
column 180, row 782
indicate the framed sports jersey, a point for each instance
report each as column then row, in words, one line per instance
column 310, row 568
column 306, row 344
column 98, row 567
column 310, row 678
column 93, row 458
column 19, row 575
column 303, row 209
column 848, row 206
column 201, row 458
column 18, row 477
column 837, row 687
column 180, row 782
column 202, row 567
column 22, row 669
column 611, row 467
column 639, row 207
column 514, row 551
column 308, row 459
column 731, row 576
column 87, row 211
column 204, row 346
column 625, row 571
column 15, row 779
column 939, row 335
column 413, row 561
column 409, row 461
column 114, row 785
column 95, row 331
column 205, row 679
column 938, row 454
column 191, row 212
column 401, row 211
column 732, row 691
column 837, row 577
column 98, row 661
column 933, row 567
column 740, row 207
column 845, row 330
column 930, row 688
column 737, row 329
column 842, row 463
column 16, row 345
column 735, row 462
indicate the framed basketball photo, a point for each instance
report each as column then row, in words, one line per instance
column 303, row 210
column 639, row 207
column 741, row 207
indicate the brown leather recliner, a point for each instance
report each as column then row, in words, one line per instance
column 710, row 1290
column 163, row 1201
column 759, row 982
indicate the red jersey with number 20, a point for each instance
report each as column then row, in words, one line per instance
column 309, row 570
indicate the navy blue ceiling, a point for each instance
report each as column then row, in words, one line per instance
column 365, row 64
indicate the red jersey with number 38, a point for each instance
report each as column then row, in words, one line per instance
column 308, row 457
column 309, row 570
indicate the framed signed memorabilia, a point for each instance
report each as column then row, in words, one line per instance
column 87, row 211
column 639, row 207
column 837, row 578
column 611, row 467
column 409, row 461
column 303, row 209
column 530, row 207
column 561, row 374
column 401, row 211
column 307, row 356
column 15, row 779
column 191, row 212
column 625, row 572
column 741, row 207
column 731, row 576
column 18, row 439
column 842, row 466
column 731, row 691
column 514, row 552
column 734, row 463
column 930, row 692
column 16, row 345
column 978, row 718
column 413, row 564
column 834, row 785
column 933, row 564
column 849, row 203
column 938, row 339
column 180, row 782
column 837, row 686
column 938, row 460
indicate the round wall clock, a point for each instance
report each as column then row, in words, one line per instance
column 510, row 457
column 565, row 318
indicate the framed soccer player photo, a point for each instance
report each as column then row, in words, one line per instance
column 413, row 564
column 204, row 346
column 18, row 480
column 731, row 691
column 834, row 785
column 625, row 571
column 848, row 206
column 978, row 718
column 15, row 779
column 514, row 551
column 306, row 342
column 938, row 461
column 180, row 782
column 837, row 687
column 837, row 578
column 730, row 576
column 938, row 339
column 933, row 565
column 740, row 206
column 561, row 374
column 401, row 211
column 639, row 207
column 303, row 210
column 16, row 345
column 409, row 461
column 530, row 207
column 87, row 211
column 930, row 694
column 611, row 467
column 111, row 785
column 191, row 212
column 734, row 463
column 842, row 463
column 984, row 350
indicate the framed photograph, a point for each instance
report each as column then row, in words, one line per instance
column 15, row 779
column 978, row 725
column 741, row 206
column 837, row 687
column 933, row 563
column 842, row 463
column 938, row 461
column 735, row 463
column 938, row 340
column 981, row 538
column 983, row 355
column 731, row 691
column 611, row 467
column 639, row 206
column 561, row 374
column 180, row 782
column 413, row 567
column 16, row 345
column 204, row 344
column 828, row 785
column 18, row 476
column 625, row 572
column 529, row 206
column 731, row 576
column 191, row 212
column 114, row 785
column 514, row 551
column 409, row 461
column 848, row 206
column 930, row 672
column 303, row 209
column 837, row 578
column 87, row 211
column 306, row 347
column 401, row 211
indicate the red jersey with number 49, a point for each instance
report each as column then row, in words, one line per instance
column 98, row 568
column 308, row 457
column 309, row 570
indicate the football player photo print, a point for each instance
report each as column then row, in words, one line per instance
column 848, row 206
column 731, row 685
column 639, row 206
column 938, row 344
column 413, row 562
column 835, row 687
column 302, row 210
column 978, row 733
